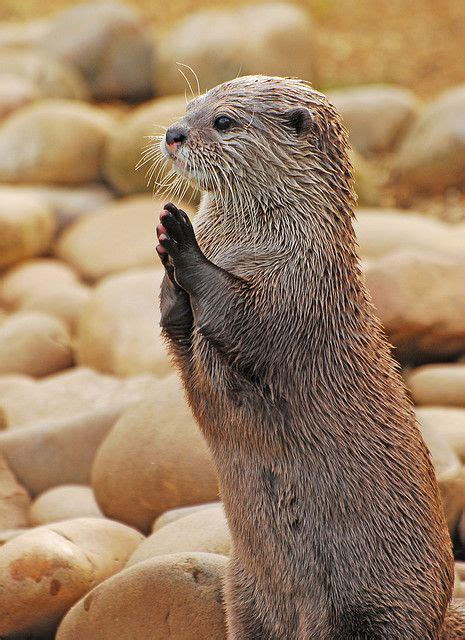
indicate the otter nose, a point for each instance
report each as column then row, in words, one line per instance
column 175, row 136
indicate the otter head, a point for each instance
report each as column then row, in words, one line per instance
column 258, row 139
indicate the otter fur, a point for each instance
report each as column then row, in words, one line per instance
column 328, row 487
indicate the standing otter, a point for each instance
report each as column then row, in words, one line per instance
column 328, row 488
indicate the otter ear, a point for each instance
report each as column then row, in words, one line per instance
column 300, row 119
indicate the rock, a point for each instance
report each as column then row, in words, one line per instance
column 34, row 344
column 206, row 531
column 177, row 596
column 450, row 473
column 376, row 116
column 119, row 331
column 65, row 502
column 120, row 237
column 432, row 155
column 76, row 392
column 449, row 422
column 173, row 515
column 9, row 534
column 67, row 203
column 64, row 143
column 50, row 77
column 65, row 304
column 110, row 45
column 14, row 500
column 22, row 34
column 70, row 443
column 44, row 571
column 440, row 384
column 33, row 277
column 125, row 149
column 15, row 92
column 382, row 231
column 367, row 181
column 153, row 459
column 26, row 228
column 220, row 44
column 419, row 298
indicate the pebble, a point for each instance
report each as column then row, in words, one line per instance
column 65, row 502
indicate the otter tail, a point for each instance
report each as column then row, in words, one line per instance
column 454, row 624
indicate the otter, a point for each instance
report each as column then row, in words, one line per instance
column 329, row 491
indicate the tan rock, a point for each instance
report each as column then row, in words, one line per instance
column 376, row 116
column 153, row 459
column 109, row 43
column 15, row 92
column 450, row 473
column 440, row 384
column 76, row 392
column 33, row 277
column 432, row 155
column 126, row 147
column 9, row 534
column 14, row 500
column 383, row 231
column 419, row 298
column 71, row 443
column 206, row 531
column 449, row 422
column 64, row 143
column 26, row 227
column 119, row 330
column 66, row 304
column 219, row 44
column 65, row 502
column 173, row 515
column 367, row 180
column 46, row 570
column 120, row 237
column 177, row 596
column 34, row 344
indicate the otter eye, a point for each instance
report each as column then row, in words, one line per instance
column 223, row 123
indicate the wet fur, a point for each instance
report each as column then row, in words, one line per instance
column 328, row 487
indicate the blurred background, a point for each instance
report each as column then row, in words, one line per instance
column 93, row 423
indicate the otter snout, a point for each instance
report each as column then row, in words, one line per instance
column 174, row 137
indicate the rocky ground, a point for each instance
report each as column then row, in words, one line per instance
column 109, row 520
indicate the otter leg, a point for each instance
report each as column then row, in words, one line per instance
column 242, row 615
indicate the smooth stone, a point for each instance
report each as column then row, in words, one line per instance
column 376, row 115
column 110, row 44
column 432, row 155
column 76, row 392
column 419, row 298
column 220, row 44
column 27, row 227
column 14, row 499
column 367, row 181
column 66, row 304
column 118, row 331
column 172, row 515
column 439, row 384
column 34, row 344
column 64, row 143
column 31, row 277
column 64, row 503
column 119, row 238
column 46, row 570
column 449, row 422
column 154, row 459
column 130, row 151
column 206, row 531
column 177, row 596
column 15, row 92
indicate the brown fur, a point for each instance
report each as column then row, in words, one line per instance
column 328, row 487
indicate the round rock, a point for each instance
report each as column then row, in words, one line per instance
column 66, row 304
column 172, row 515
column 153, row 459
column 65, row 502
column 440, row 384
column 34, row 344
column 177, row 596
column 205, row 531
column 14, row 500
column 64, row 143
column 44, row 571
column 118, row 331
column 26, row 227
column 449, row 422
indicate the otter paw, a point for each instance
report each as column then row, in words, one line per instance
column 175, row 234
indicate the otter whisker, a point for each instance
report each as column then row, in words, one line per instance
column 194, row 74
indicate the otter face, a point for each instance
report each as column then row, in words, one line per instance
column 253, row 137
